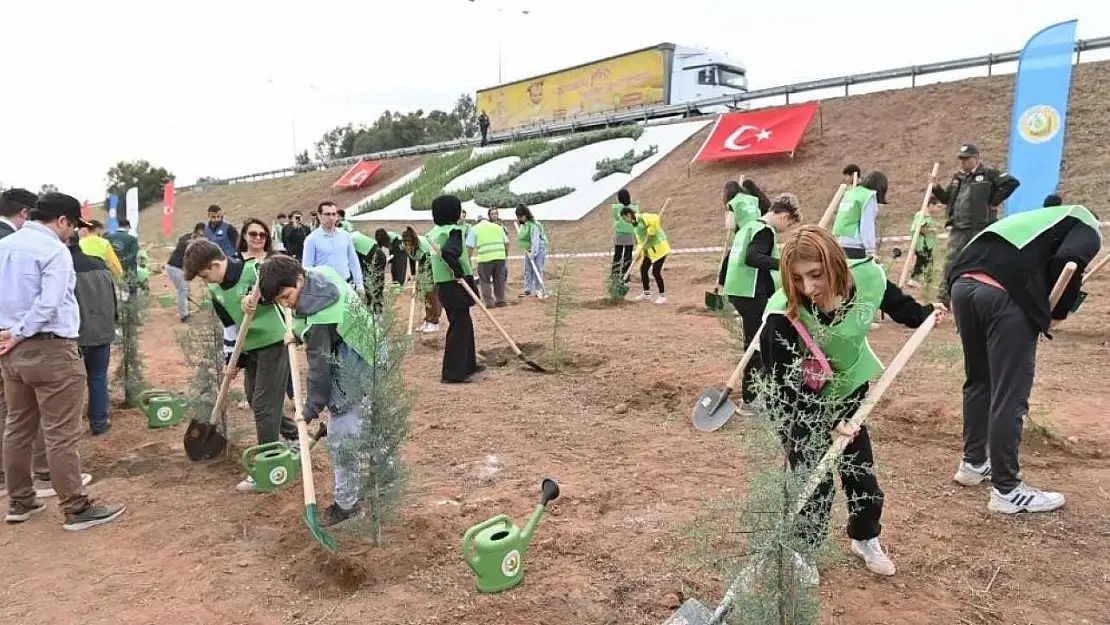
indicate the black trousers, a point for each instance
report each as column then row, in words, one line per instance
column 265, row 375
column 1000, row 358
column 622, row 259
column 958, row 238
column 856, row 469
column 751, row 317
column 656, row 269
column 855, row 252
column 460, row 358
column 399, row 266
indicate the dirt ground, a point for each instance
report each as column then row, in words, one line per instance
column 614, row 430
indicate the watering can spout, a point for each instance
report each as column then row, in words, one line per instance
column 550, row 490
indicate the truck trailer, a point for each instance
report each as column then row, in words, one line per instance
column 662, row 74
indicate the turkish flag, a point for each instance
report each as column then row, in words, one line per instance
column 86, row 211
column 169, row 196
column 758, row 133
column 358, row 176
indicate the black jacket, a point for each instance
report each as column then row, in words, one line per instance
column 1028, row 274
column 973, row 198
column 177, row 256
column 95, row 290
column 5, row 230
column 759, row 256
column 451, row 294
column 292, row 237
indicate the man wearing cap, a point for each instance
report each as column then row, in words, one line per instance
column 44, row 378
column 973, row 197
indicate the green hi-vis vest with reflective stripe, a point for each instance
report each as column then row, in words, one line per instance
column 1022, row 228
column 622, row 226
column 364, row 244
column 845, row 341
column 266, row 327
column 489, row 240
column 524, row 238
column 740, row 277
column 745, row 207
column 850, row 212
column 441, row 272
column 356, row 330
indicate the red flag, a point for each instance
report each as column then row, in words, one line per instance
column 759, row 133
column 358, row 176
column 86, row 211
column 168, row 198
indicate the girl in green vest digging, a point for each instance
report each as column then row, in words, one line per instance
column 420, row 264
column 819, row 365
column 340, row 345
column 653, row 247
column 533, row 242
column 753, row 272
column 857, row 218
column 1000, row 285
column 624, row 234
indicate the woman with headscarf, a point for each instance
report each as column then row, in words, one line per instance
column 857, row 218
column 624, row 234
column 450, row 264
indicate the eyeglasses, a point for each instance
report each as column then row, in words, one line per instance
column 329, row 214
column 256, row 234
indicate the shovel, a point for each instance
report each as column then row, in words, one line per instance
column 536, row 272
column 714, row 301
column 203, row 439
column 412, row 308
column 714, row 408
column 324, row 538
column 693, row 612
column 504, row 334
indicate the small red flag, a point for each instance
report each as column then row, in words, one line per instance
column 758, row 133
column 86, row 211
column 168, row 198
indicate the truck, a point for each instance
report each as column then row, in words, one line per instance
column 666, row 73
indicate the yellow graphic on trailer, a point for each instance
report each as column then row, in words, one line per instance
column 632, row 80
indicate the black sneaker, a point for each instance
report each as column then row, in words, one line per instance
column 334, row 515
column 92, row 516
column 20, row 512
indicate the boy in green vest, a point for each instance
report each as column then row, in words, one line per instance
column 1000, row 284
column 926, row 223
column 338, row 349
column 857, row 218
column 264, row 358
column 450, row 265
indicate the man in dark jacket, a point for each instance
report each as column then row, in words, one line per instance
column 293, row 235
column 973, row 197
column 96, row 298
column 483, row 126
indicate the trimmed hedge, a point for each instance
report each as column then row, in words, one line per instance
column 624, row 164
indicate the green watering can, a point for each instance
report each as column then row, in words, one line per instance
column 163, row 408
column 167, row 301
column 275, row 465
column 495, row 548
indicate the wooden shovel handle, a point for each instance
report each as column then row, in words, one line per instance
column 298, row 412
column 911, row 257
column 232, row 363
column 749, row 353
column 489, row 315
column 1061, row 285
column 833, row 205
column 869, row 402
column 1099, row 264
column 412, row 308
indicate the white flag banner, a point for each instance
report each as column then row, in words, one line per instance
column 133, row 209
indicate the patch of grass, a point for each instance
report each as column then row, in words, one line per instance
column 623, row 164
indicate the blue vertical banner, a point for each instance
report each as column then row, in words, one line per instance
column 113, row 212
column 1039, row 119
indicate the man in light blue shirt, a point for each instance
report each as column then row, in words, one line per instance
column 332, row 246
column 44, row 377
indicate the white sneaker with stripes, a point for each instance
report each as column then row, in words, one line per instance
column 973, row 475
column 1024, row 498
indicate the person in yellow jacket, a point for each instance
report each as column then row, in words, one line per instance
column 651, row 242
column 94, row 244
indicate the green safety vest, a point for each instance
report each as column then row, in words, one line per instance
column 525, row 235
column 364, row 244
column 926, row 241
column 423, row 257
column 441, row 272
column 650, row 242
column 845, row 342
column 745, row 207
column 346, row 225
column 740, row 277
column 1021, row 228
column 850, row 212
column 361, row 337
column 622, row 226
column 489, row 241
column 266, row 327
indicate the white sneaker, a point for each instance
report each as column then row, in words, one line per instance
column 430, row 327
column 646, row 296
column 872, row 554
column 1024, row 498
column 971, row 475
column 662, row 299
column 247, row 486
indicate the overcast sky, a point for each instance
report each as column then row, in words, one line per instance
column 225, row 88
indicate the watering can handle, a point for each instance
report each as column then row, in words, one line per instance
column 250, row 452
column 468, row 537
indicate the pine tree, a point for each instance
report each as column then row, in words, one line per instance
column 202, row 345
column 129, row 373
column 561, row 305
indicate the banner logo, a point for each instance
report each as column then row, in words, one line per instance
column 1039, row 124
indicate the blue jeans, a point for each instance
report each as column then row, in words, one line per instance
column 96, row 367
column 533, row 276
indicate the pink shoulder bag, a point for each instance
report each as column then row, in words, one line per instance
column 816, row 371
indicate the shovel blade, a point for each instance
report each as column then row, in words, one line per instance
column 692, row 612
column 713, row 410
column 533, row 366
column 714, row 301
column 203, row 441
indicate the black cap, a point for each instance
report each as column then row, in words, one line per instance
column 23, row 197
column 967, row 150
column 61, row 205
